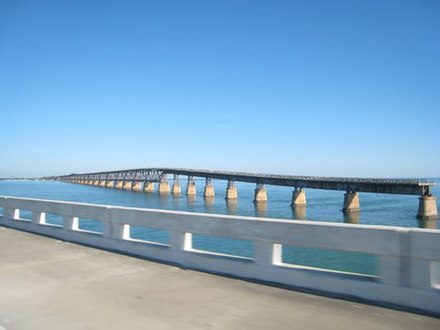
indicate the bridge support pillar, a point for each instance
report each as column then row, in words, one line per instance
column 164, row 186
column 127, row 185
column 351, row 202
column 176, row 185
column 427, row 208
column 119, row 184
column 231, row 191
column 298, row 197
column 191, row 187
column 137, row 186
column 96, row 183
column 209, row 188
column 260, row 193
column 110, row 184
column 148, row 187
column 102, row 183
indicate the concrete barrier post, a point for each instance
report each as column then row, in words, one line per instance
column 396, row 269
column 180, row 241
column 112, row 228
column 120, row 231
column 70, row 223
column 420, row 273
column 390, row 270
column 7, row 213
column 11, row 213
column 264, row 253
column 38, row 218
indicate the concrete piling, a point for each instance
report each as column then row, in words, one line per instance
column 191, row 187
column 176, row 188
column 148, row 187
column 427, row 208
column 351, row 202
column 231, row 191
column 127, row 185
column 209, row 188
column 260, row 193
column 164, row 186
column 137, row 186
column 176, row 185
column 298, row 197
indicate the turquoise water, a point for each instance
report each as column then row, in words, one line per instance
column 376, row 209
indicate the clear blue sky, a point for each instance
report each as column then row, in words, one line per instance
column 340, row 88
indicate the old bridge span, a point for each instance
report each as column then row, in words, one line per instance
column 143, row 179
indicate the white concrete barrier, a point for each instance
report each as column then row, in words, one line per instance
column 408, row 272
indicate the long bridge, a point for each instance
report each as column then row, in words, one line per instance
column 143, row 179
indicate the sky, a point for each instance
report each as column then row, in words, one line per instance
column 307, row 87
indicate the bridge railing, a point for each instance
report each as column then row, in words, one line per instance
column 408, row 268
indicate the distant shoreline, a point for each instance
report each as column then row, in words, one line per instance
column 24, row 179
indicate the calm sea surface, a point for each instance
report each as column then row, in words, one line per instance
column 376, row 209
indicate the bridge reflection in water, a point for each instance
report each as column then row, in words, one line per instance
column 144, row 180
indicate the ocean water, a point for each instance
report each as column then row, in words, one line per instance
column 376, row 209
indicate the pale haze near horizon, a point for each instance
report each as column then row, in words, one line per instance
column 331, row 88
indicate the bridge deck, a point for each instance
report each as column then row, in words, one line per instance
column 371, row 185
column 49, row 284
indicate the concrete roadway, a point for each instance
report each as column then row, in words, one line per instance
column 50, row 284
